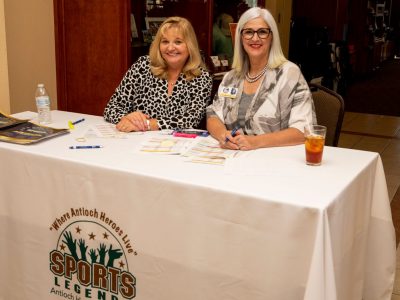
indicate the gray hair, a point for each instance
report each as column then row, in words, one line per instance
column 240, row 57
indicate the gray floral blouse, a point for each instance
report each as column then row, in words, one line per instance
column 283, row 100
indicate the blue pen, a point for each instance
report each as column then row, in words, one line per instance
column 233, row 132
column 71, row 124
column 86, row 147
column 78, row 121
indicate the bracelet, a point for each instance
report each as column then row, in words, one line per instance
column 148, row 124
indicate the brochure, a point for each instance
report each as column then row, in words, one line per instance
column 18, row 131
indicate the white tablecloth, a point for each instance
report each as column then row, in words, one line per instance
column 265, row 226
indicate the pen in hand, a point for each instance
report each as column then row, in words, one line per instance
column 233, row 132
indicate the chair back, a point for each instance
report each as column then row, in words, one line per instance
column 329, row 109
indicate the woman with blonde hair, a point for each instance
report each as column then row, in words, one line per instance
column 264, row 101
column 167, row 89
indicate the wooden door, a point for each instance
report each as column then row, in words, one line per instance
column 282, row 12
column 92, row 51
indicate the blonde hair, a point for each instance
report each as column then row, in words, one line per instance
column 276, row 57
column 158, row 65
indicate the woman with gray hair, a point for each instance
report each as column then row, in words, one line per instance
column 264, row 100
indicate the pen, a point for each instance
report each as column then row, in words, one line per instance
column 233, row 132
column 185, row 135
column 86, row 147
column 71, row 124
column 197, row 132
column 78, row 121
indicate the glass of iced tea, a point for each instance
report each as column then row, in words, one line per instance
column 314, row 144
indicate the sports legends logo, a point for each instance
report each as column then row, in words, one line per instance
column 90, row 257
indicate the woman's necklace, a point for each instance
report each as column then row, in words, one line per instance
column 171, row 86
column 258, row 76
column 172, row 82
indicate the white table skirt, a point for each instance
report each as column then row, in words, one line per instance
column 265, row 226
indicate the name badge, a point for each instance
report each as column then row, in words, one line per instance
column 228, row 91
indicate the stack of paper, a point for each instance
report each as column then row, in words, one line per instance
column 207, row 150
column 166, row 145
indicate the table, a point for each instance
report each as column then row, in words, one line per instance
column 113, row 223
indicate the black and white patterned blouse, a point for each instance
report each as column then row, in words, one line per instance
column 141, row 90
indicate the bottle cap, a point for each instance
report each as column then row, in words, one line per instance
column 40, row 85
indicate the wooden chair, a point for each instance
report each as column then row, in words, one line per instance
column 329, row 108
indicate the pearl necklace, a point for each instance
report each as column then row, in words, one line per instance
column 258, row 76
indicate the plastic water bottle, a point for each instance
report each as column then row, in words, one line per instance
column 43, row 104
